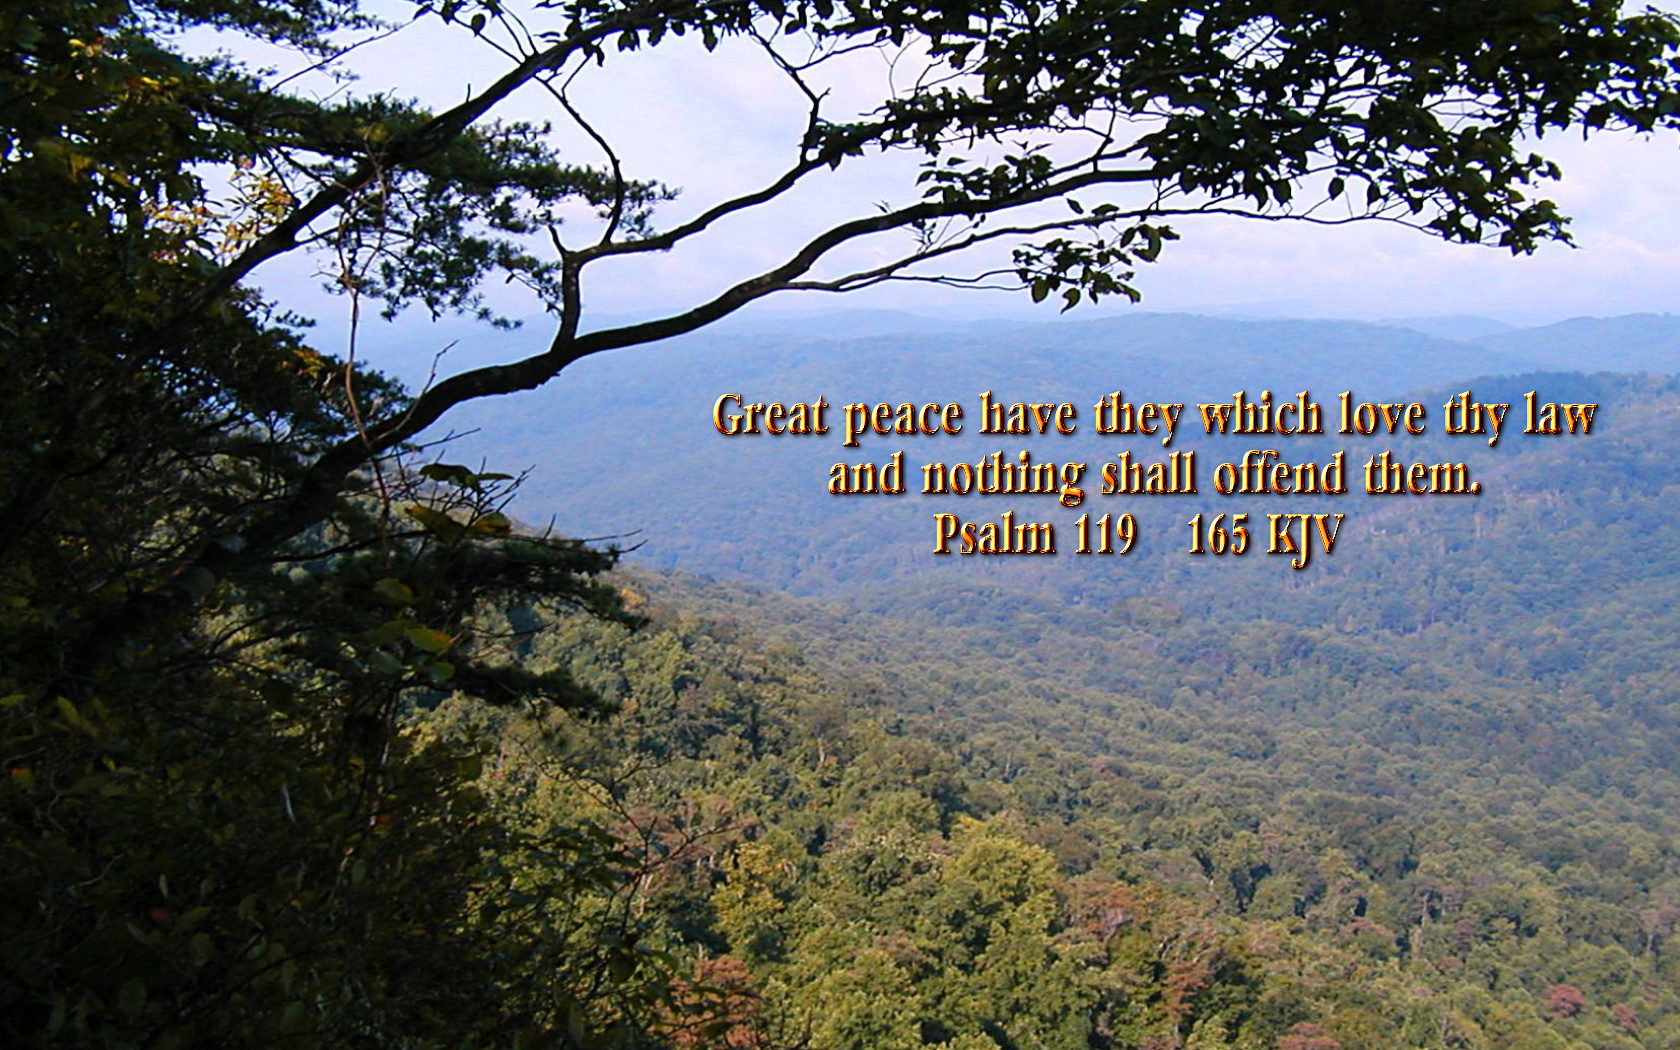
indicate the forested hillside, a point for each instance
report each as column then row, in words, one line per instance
column 1153, row 831
column 452, row 684
column 1425, row 796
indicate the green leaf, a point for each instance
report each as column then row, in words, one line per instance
column 194, row 916
column 131, row 997
column 427, row 640
column 293, row 1018
column 394, row 591
column 494, row 524
column 391, row 630
column 74, row 717
column 437, row 522
column 452, row 473
column 622, row 966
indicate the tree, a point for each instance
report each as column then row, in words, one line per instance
column 1564, row 1000
column 224, row 575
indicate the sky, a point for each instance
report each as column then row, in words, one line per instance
column 720, row 123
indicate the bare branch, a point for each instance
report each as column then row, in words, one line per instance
column 892, row 270
column 664, row 241
column 328, row 60
column 616, row 215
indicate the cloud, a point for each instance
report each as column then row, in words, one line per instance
column 723, row 123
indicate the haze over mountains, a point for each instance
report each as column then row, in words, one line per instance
column 623, row 444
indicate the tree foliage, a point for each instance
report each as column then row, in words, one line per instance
column 226, row 572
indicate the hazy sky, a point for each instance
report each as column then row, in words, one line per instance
column 717, row 124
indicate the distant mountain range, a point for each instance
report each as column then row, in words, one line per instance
column 623, row 443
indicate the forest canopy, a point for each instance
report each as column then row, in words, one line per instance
column 230, row 579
